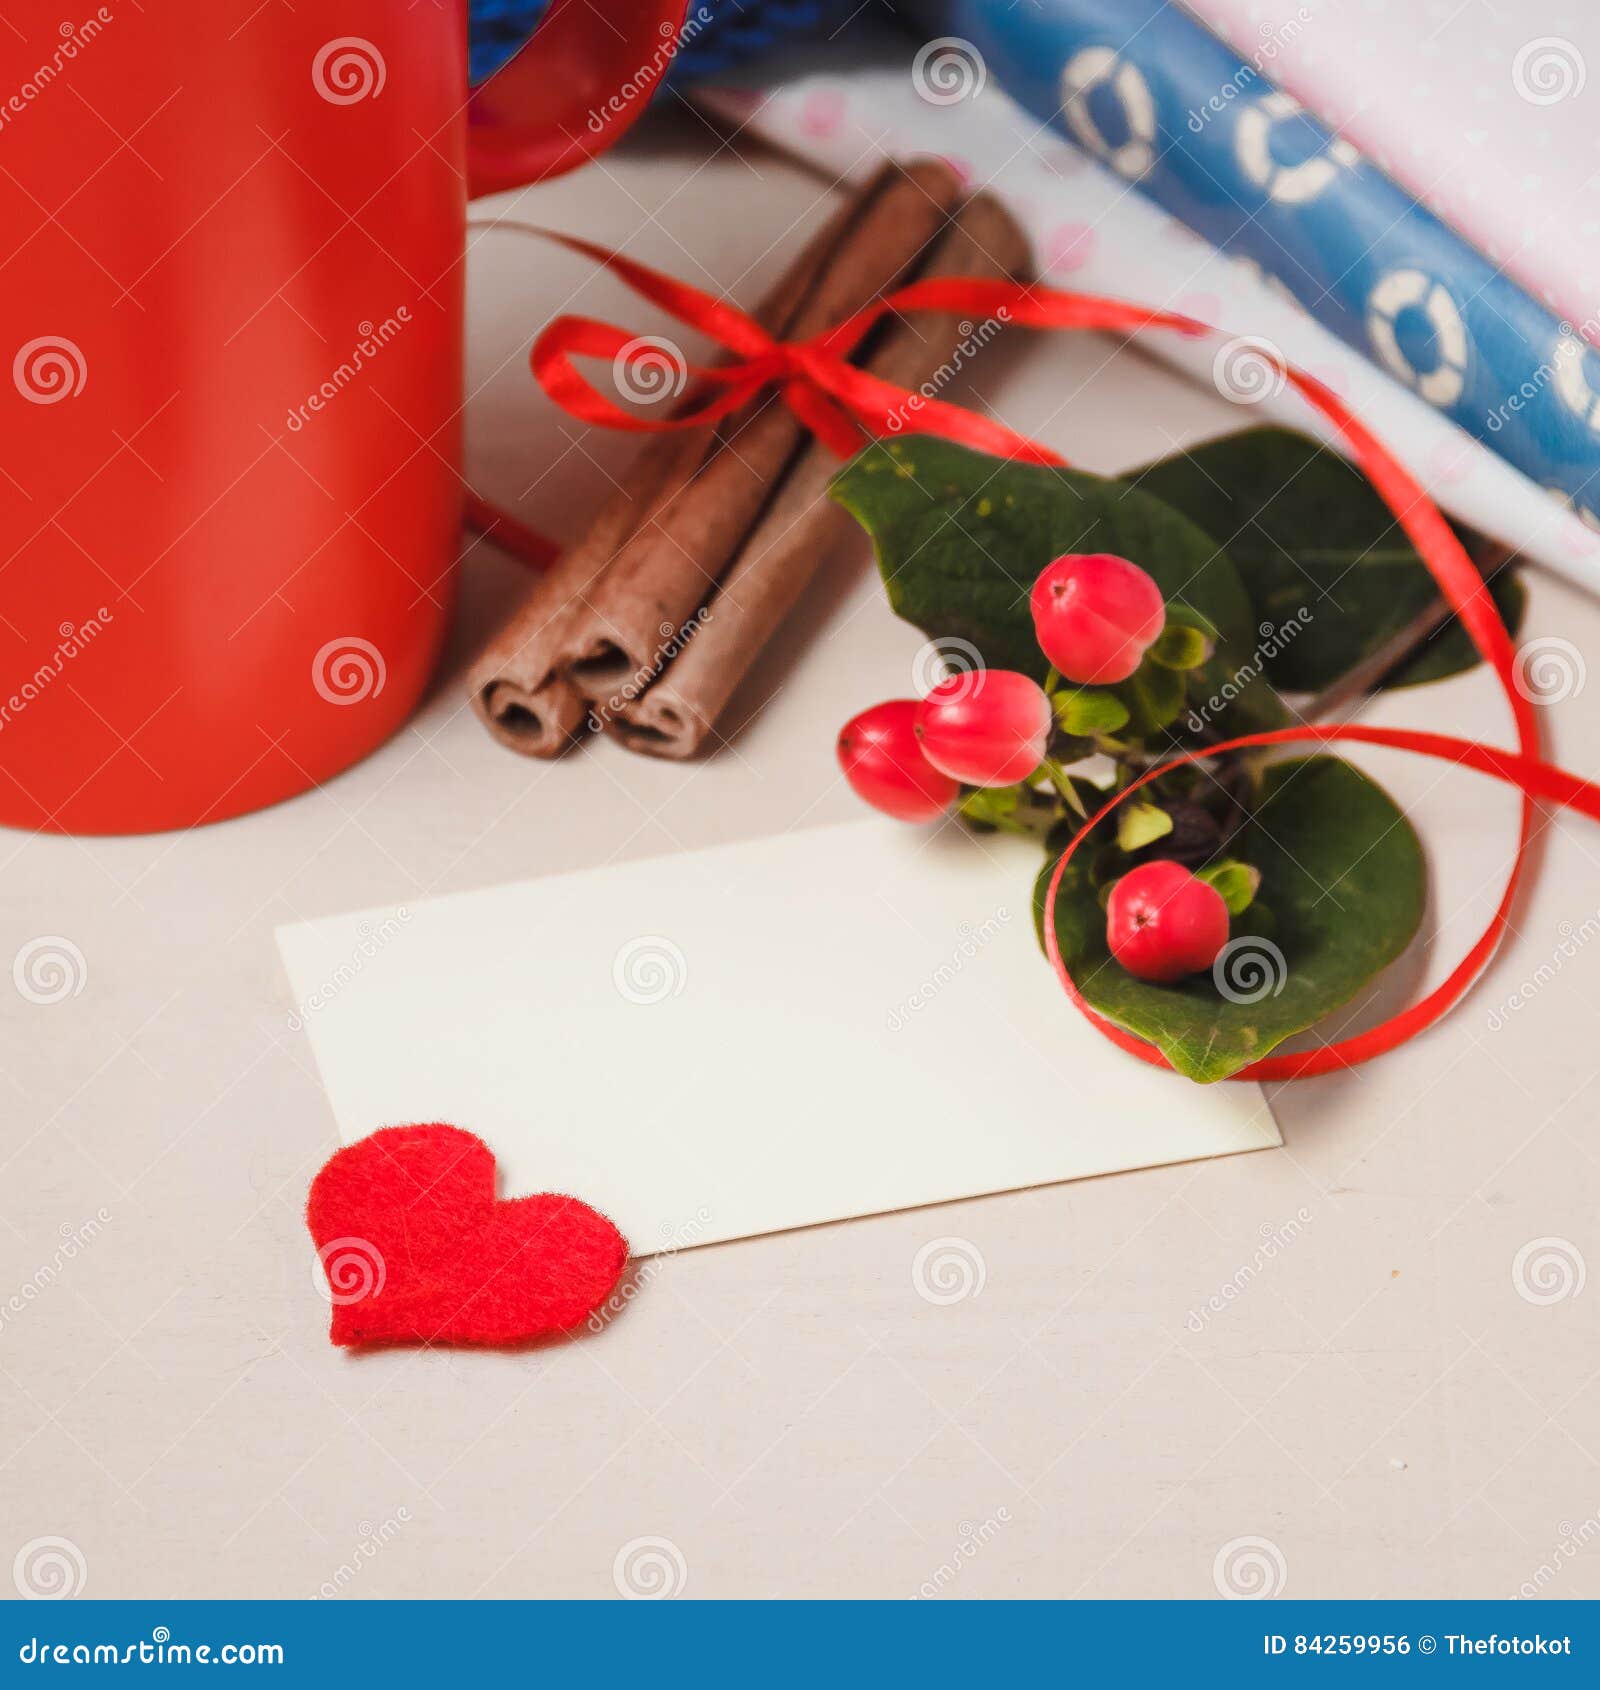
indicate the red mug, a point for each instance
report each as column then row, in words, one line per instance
column 231, row 284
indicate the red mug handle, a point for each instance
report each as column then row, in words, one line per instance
column 570, row 92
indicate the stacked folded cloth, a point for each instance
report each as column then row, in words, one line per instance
column 1249, row 214
column 1206, row 135
column 1478, row 111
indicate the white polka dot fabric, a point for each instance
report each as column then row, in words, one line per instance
column 1489, row 115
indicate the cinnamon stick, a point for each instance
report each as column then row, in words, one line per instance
column 628, row 622
column 517, row 686
column 802, row 526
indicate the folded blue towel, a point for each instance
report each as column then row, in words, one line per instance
column 1177, row 115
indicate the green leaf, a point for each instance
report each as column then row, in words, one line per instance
column 1140, row 824
column 1343, row 874
column 1237, row 882
column 1010, row 809
column 993, row 806
column 1179, row 646
column 1153, row 697
column 1089, row 711
column 960, row 538
column 1330, row 573
column 1082, row 797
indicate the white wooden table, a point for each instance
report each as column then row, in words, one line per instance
column 1376, row 1403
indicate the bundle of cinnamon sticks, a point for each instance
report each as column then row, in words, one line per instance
column 645, row 626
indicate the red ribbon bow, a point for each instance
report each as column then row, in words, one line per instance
column 844, row 406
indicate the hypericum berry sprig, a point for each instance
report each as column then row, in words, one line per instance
column 1237, row 899
column 1002, row 740
column 1095, row 616
column 882, row 759
column 1163, row 922
column 989, row 727
column 909, row 757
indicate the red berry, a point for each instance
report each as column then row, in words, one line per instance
column 881, row 759
column 988, row 728
column 1163, row 922
column 1094, row 615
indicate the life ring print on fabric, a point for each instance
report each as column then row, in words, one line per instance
column 1288, row 184
column 1099, row 67
column 1570, row 362
column 1408, row 290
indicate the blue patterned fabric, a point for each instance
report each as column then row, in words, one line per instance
column 717, row 33
column 1172, row 110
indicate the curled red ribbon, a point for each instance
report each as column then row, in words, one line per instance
column 845, row 406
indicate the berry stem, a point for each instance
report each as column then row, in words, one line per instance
column 1364, row 676
column 1062, row 782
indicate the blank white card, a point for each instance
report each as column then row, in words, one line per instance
column 733, row 1041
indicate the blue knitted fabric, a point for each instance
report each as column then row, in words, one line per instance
column 734, row 30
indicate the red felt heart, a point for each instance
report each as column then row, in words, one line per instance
column 417, row 1249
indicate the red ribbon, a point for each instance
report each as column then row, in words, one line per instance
column 518, row 538
column 845, row 406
